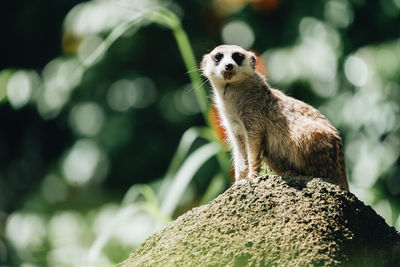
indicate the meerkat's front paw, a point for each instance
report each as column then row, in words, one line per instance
column 239, row 175
column 253, row 175
column 242, row 181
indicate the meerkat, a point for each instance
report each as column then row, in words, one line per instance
column 264, row 124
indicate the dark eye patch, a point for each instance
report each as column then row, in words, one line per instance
column 218, row 57
column 238, row 58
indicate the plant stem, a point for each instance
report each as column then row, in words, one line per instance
column 169, row 19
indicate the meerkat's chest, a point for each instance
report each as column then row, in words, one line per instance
column 232, row 118
column 235, row 110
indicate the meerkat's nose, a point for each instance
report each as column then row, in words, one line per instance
column 229, row 67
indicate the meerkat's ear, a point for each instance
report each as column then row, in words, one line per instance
column 253, row 61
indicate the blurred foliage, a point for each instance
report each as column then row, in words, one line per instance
column 106, row 128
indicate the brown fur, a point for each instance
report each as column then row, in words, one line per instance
column 263, row 124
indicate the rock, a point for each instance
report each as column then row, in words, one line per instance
column 274, row 221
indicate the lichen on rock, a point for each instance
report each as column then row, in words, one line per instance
column 274, row 221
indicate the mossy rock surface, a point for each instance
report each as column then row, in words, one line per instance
column 275, row 221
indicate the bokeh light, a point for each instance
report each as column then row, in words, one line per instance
column 138, row 93
column 313, row 58
column 356, row 71
column 339, row 13
column 238, row 33
column 60, row 76
column 83, row 163
column 26, row 231
column 20, row 87
column 87, row 118
column 69, row 234
column 54, row 189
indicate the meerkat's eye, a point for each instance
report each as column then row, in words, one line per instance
column 218, row 57
column 238, row 58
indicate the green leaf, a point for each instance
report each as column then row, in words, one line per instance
column 185, row 174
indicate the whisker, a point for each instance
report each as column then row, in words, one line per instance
column 190, row 71
column 191, row 88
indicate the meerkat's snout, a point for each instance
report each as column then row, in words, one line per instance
column 228, row 72
column 229, row 67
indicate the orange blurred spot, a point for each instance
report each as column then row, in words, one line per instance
column 264, row 5
column 228, row 7
column 220, row 133
column 232, row 2
column 216, row 125
column 261, row 66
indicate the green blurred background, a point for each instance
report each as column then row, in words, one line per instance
column 103, row 139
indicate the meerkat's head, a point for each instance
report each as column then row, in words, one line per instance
column 228, row 63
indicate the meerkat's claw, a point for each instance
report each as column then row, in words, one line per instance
column 242, row 181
